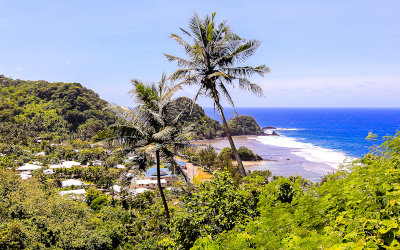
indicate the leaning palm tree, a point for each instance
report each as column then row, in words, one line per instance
column 213, row 54
column 149, row 129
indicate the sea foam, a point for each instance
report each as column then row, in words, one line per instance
column 307, row 151
column 289, row 129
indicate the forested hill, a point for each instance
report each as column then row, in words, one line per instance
column 30, row 110
column 193, row 114
column 208, row 128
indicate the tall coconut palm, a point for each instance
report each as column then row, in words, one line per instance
column 149, row 128
column 212, row 58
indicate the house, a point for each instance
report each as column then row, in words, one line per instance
column 48, row 171
column 165, row 174
column 149, row 183
column 181, row 164
column 77, row 194
column 139, row 190
column 65, row 164
column 72, row 182
column 54, row 166
column 117, row 189
column 73, row 192
column 97, row 163
column 68, row 164
column 29, row 167
column 25, row 175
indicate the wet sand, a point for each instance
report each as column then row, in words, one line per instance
column 279, row 160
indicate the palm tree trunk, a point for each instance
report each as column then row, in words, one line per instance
column 160, row 187
column 235, row 153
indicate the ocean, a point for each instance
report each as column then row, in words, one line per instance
column 320, row 135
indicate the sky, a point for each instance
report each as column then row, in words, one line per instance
column 334, row 53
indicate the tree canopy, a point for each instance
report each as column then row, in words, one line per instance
column 30, row 110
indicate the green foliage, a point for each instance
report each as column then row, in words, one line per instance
column 244, row 125
column 217, row 206
column 227, row 153
column 53, row 111
column 244, row 153
column 353, row 208
column 207, row 157
column 191, row 114
column 248, row 155
column 34, row 216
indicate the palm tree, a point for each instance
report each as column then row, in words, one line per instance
column 149, row 129
column 211, row 64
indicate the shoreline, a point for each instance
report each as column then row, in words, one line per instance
column 284, row 158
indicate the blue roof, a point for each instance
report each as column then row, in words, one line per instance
column 181, row 163
column 152, row 172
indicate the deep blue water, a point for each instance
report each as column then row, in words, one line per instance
column 342, row 129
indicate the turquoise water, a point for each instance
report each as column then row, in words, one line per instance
column 339, row 129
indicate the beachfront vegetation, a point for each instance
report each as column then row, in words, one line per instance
column 357, row 207
column 213, row 55
column 244, row 125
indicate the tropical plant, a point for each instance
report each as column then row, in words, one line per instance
column 149, row 128
column 212, row 58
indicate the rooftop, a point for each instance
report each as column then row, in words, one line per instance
column 152, row 172
column 74, row 192
column 29, row 167
column 72, row 182
column 148, row 181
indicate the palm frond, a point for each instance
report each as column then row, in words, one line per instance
column 183, row 43
column 253, row 87
column 221, row 74
column 180, row 61
column 246, row 50
column 226, row 94
column 180, row 73
column 245, row 71
column 164, row 134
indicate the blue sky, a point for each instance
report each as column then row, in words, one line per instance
column 321, row 53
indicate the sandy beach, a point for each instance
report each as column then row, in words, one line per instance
column 285, row 160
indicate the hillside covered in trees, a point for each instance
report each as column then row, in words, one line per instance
column 32, row 110
column 205, row 127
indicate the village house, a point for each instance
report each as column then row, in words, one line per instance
column 165, row 174
column 72, row 182
column 73, row 192
column 65, row 164
column 148, row 183
column 28, row 168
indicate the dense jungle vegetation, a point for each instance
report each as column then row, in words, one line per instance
column 357, row 207
column 32, row 110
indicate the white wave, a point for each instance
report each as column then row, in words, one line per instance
column 289, row 129
column 307, row 151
